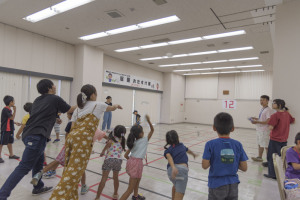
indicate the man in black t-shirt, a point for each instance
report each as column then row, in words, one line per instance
column 37, row 131
column 137, row 117
column 7, row 126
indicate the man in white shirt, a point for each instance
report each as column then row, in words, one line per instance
column 262, row 129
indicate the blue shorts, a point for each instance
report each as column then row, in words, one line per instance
column 181, row 179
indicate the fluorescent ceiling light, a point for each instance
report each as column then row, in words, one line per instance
column 210, row 73
column 170, row 65
column 157, row 22
column 235, row 49
column 192, row 74
column 56, row 9
column 195, row 39
column 155, row 58
column 122, row 30
column 224, row 67
column 245, row 66
column 202, row 53
column 254, row 71
column 201, row 69
column 180, row 55
column 93, row 36
column 185, row 40
column 154, row 45
column 221, row 35
column 241, row 59
column 194, row 63
column 128, row 49
column 229, row 72
column 214, row 61
column 182, row 70
column 133, row 27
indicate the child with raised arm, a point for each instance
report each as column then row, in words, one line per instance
column 224, row 156
column 137, row 144
column 177, row 167
column 113, row 159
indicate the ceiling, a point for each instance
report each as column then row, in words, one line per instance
column 198, row 18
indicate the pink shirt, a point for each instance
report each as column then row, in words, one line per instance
column 281, row 122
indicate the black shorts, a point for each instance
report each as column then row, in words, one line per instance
column 6, row 137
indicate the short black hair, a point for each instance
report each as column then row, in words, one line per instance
column 44, row 85
column 108, row 97
column 27, row 107
column 265, row 97
column 223, row 122
column 135, row 111
column 7, row 99
column 297, row 137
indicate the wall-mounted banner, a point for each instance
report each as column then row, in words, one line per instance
column 129, row 80
column 229, row 104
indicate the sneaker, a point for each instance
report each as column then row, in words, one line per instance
column 139, row 197
column 14, row 157
column 50, row 174
column 1, row 160
column 257, row 159
column 36, row 178
column 264, row 164
column 56, row 140
column 41, row 191
column 84, row 189
column 268, row 176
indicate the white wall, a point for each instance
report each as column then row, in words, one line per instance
column 286, row 60
column 173, row 99
column 24, row 50
column 203, row 111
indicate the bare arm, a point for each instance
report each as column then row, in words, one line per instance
column 264, row 122
column 126, row 155
column 108, row 144
column 243, row 166
column 151, row 127
column 296, row 166
column 113, row 108
column 71, row 110
column 171, row 162
column 18, row 136
column 14, row 114
column 205, row 164
column 192, row 153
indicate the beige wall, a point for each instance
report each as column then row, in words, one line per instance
column 287, row 60
column 24, row 50
column 203, row 111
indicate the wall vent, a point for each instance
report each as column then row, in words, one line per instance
column 264, row 52
column 160, row 2
column 161, row 40
column 114, row 14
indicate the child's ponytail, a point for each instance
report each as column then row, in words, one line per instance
column 119, row 131
column 134, row 135
column 171, row 138
column 85, row 95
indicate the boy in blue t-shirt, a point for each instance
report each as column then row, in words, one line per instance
column 224, row 156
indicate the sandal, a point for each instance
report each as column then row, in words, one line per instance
column 115, row 197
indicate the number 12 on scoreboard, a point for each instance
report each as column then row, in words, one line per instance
column 229, row 104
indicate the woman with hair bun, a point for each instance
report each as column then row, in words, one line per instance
column 279, row 125
column 79, row 142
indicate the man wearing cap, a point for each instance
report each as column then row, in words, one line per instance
column 138, row 117
column 107, row 115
